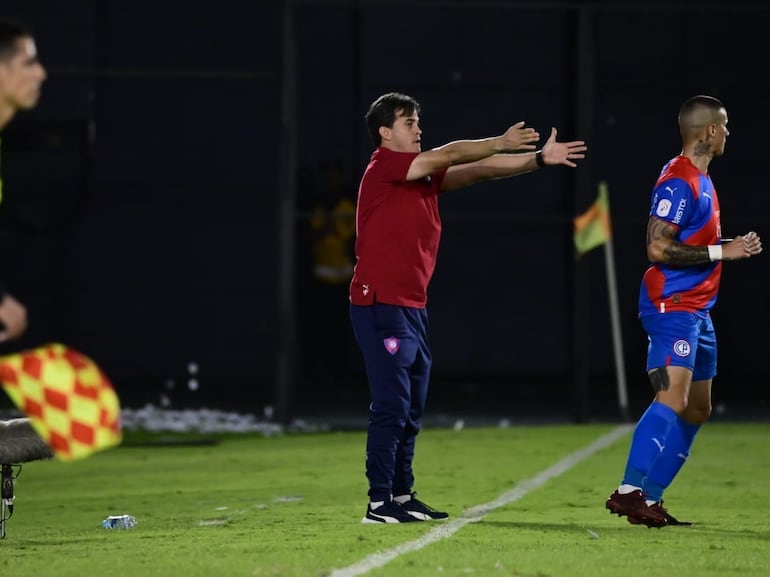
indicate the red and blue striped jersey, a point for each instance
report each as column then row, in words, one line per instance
column 686, row 198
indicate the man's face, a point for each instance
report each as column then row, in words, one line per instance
column 721, row 133
column 21, row 76
column 405, row 135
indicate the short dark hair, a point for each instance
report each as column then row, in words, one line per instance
column 10, row 33
column 385, row 109
column 700, row 101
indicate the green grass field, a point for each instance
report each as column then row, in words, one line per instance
column 291, row 506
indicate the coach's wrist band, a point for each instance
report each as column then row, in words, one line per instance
column 539, row 159
column 715, row 252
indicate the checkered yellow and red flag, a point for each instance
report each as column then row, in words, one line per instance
column 69, row 401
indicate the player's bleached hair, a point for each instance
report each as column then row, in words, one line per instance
column 385, row 110
column 10, row 33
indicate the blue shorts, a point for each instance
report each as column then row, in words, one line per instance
column 682, row 339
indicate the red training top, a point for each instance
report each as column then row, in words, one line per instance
column 398, row 229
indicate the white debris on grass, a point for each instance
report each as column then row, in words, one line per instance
column 204, row 420
column 213, row 522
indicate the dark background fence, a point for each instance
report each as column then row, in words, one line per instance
column 145, row 219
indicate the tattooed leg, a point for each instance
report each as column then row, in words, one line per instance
column 659, row 380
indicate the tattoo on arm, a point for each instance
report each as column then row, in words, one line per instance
column 684, row 254
column 676, row 253
column 659, row 380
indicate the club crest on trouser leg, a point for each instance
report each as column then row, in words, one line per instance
column 391, row 345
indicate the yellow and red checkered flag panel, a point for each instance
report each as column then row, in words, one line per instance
column 69, row 401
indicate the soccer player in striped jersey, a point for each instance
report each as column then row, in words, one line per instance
column 686, row 251
column 397, row 236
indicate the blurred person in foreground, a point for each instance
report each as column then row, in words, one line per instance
column 398, row 230
column 686, row 250
column 21, row 76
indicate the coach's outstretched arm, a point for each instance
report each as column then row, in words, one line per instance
column 504, row 165
column 517, row 137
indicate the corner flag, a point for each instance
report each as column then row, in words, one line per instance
column 592, row 228
column 69, row 401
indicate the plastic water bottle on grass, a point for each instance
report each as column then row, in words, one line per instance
column 119, row 522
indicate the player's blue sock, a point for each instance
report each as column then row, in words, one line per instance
column 648, row 441
column 671, row 459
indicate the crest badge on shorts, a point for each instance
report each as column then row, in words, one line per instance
column 682, row 348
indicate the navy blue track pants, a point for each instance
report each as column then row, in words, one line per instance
column 394, row 343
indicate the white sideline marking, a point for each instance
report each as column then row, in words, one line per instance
column 474, row 514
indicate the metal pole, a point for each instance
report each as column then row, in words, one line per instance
column 617, row 339
column 286, row 316
column 6, row 497
column 583, row 111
